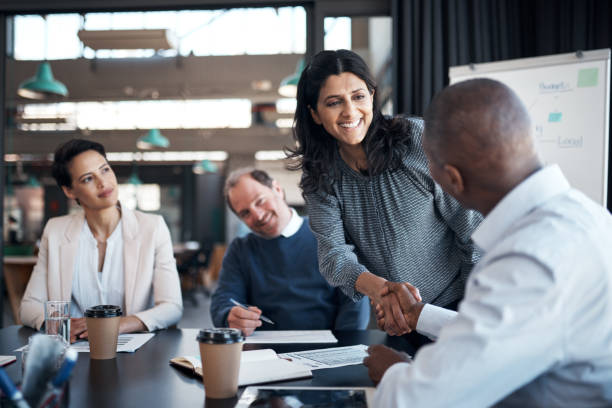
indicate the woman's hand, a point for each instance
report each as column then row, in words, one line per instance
column 78, row 329
column 127, row 324
column 131, row 324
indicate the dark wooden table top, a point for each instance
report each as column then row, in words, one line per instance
column 145, row 378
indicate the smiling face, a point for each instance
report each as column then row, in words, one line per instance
column 344, row 109
column 261, row 208
column 93, row 181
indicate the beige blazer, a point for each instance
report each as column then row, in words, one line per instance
column 149, row 267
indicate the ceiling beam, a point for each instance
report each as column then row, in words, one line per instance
column 336, row 7
column 191, row 77
column 66, row 6
column 242, row 141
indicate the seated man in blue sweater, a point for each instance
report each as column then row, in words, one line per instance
column 276, row 267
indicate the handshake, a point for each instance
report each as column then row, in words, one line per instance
column 398, row 308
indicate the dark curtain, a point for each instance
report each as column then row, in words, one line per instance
column 432, row 35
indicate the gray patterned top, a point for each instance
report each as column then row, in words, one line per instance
column 399, row 225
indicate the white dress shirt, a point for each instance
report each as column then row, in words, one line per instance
column 294, row 224
column 91, row 287
column 534, row 328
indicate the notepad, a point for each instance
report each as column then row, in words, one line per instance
column 5, row 360
column 256, row 367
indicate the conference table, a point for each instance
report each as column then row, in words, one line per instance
column 145, row 378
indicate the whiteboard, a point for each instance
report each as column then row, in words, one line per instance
column 568, row 98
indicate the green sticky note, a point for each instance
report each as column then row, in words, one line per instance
column 588, row 77
column 554, row 116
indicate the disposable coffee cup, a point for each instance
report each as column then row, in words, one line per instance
column 220, row 351
column 102, row 331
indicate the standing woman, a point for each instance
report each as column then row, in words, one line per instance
column 373, row 206
column 105, row 254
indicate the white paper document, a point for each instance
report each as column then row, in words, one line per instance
column 256, row 366
column 329, row 357
column 126, row 343
column 291, row 336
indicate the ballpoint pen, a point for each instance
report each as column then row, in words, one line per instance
column 12, row 392
column 262, row 317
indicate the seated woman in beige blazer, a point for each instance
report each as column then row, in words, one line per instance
column 104, row 254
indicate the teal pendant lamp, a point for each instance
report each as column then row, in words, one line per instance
column 205, row 166
column 152, row 139
column 32, row 182
column 42, row 85
column 134, row 179
column 288, row 86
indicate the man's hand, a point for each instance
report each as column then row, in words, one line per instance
column 78, row 329
column 380, row 359
column 409, row 300
column 395, row 314
column 245, row 320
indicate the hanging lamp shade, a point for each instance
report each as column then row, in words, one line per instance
column 152, row 139
column 134, row 179
column 288, row 86
column 32, row 182
column 42, row 85
column 205, row 166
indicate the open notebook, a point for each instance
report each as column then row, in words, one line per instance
column 256, row 367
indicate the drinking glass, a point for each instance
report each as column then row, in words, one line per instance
column 57, row 319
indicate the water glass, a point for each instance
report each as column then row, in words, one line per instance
column 57, row 319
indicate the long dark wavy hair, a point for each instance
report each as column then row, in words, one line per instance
column 315, row 151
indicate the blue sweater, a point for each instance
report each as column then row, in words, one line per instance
column 281, row 277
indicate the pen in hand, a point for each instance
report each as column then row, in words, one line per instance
column 261, row 317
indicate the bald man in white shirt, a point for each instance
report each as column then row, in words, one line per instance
column 534, row 327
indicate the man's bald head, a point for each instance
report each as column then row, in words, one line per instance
column 481, row 128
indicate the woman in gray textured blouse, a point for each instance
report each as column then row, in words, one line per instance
column 373, row 206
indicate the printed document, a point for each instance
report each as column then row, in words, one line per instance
column 291, row 336
column 126, row 343
column 329, row 357
column 256, row 366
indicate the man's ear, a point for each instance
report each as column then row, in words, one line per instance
column 68, row 192
column 454, row 180
column 278, row 189
column 315, row 116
